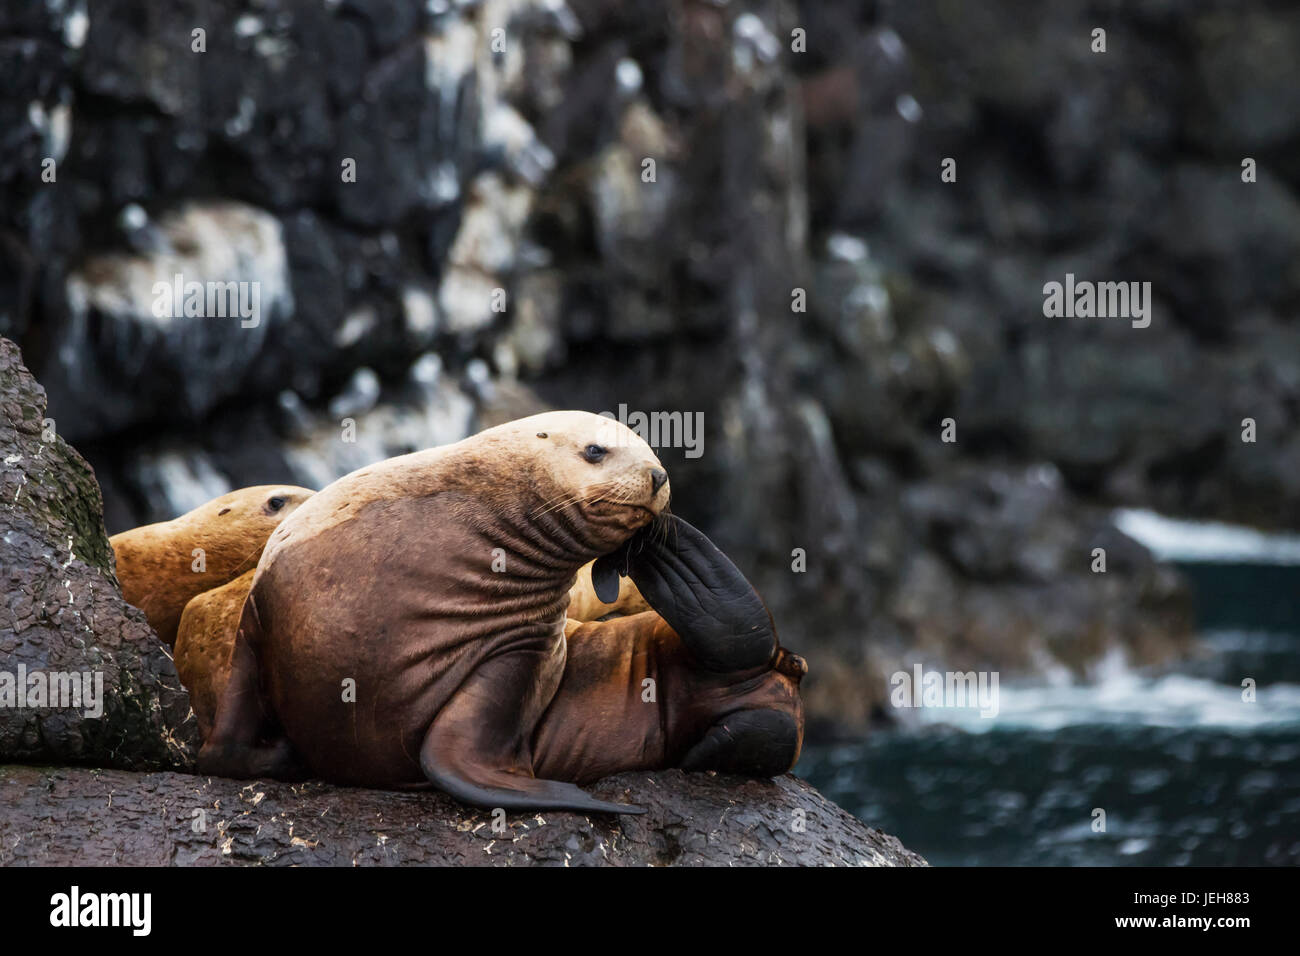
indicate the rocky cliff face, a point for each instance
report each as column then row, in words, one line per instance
column 1123, row 165
column 793, row 268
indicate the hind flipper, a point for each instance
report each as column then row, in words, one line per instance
column 752, row 743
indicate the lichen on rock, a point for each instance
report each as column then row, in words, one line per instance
column 65, row 623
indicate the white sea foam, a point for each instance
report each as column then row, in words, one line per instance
column 1120, row 695
column 1173, row 539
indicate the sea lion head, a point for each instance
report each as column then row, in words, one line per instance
column 590, row 469
column 257, row 507
column 234, row 528
column 155, row 563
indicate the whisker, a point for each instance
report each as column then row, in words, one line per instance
column 562, row 502
column 571, row 498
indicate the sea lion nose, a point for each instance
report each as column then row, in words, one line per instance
column 658, row 478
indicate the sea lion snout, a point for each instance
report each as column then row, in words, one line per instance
column 660, row 491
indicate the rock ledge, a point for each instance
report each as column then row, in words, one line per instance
column 122, row 818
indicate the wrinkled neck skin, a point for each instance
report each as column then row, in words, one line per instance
column 546, row 537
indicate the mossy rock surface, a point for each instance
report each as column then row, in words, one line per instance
column 65, row 623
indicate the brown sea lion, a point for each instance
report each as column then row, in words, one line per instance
column 406, row 624
column 162, row 566
column 715, row 702
column 205, row 638
column 700, row 682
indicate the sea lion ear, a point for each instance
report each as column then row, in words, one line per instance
column 605, row 573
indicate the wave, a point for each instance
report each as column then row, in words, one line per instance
column 1173, row 539
column 1120, row 695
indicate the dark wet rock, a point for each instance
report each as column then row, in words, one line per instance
column 1248, row 81
column 130, row 340
column 1247, row 236
column 64, row 614
column 979, row 568
column 1074, row 161
column 159, row 819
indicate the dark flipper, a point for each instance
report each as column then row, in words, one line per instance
column 754, row 743
column 698, row 591
column 604, row 579
column 474, row 750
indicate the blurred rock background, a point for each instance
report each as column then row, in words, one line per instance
column 780, row 166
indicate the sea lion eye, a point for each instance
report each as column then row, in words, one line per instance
column 276, row 503
column 594, row 453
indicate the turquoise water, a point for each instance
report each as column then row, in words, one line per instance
column 1186, row 772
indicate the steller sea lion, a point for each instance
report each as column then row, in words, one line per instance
column 406, row 624
column 157, row 564
column 725, row 695
column 205, row 637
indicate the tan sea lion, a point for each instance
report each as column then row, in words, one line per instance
column 162, row 566
column 406, row 624
column 586, row 605
column 205, row 640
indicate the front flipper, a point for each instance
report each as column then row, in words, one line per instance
column 698, row 591
column 477, row 748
